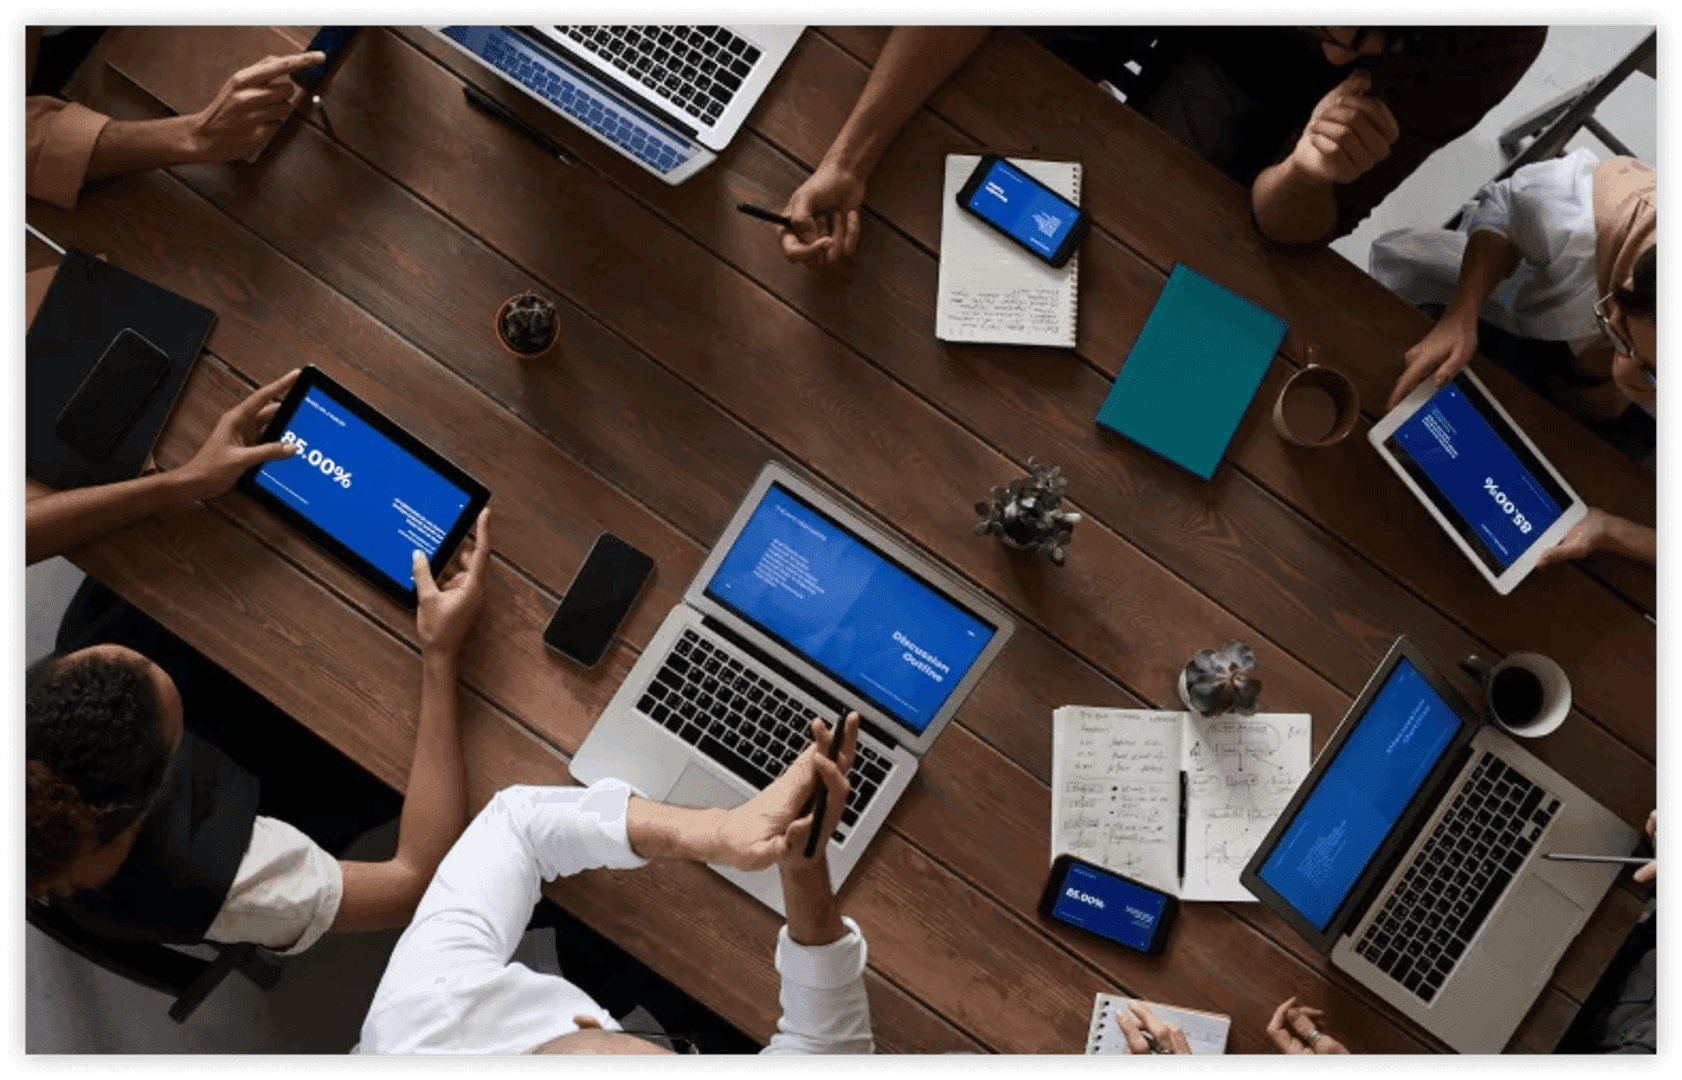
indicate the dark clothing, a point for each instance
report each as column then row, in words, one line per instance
column 1241, row 96
column 174, row 881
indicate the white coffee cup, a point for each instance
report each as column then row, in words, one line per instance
column 1526, row 707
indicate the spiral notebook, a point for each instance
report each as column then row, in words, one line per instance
column 1205, row 1032
column 991, row 291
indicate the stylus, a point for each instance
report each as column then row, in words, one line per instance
column 1623, row 860
column 820, row 802
column 500, row 112
column 753, row 211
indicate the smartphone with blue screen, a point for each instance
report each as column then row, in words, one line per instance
column 332, row 41
column 1043, row 222
column 1116, row 908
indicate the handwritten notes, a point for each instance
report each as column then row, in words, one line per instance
column 1205, row 1032
column 1116, row 792
column 992, row 291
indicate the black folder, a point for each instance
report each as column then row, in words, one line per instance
column 89, row 302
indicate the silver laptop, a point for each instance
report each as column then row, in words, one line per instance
column 803, row 608
column 667, row 97
column 1412, row 854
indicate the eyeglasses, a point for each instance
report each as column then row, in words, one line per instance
column 679, row 1044
column 1619, row 342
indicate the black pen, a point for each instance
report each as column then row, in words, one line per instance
column 1182, row 827
column 764, row 215
column 817, row 806
column 498, row 111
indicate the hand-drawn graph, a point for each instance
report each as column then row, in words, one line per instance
column 1240, row 772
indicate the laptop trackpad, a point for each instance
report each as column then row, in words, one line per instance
column 699, row 787
column 1536, row 913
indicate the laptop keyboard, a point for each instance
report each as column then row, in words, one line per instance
column 711, row 700
column 520, row 61
column 699, row 68
column 1435, row 911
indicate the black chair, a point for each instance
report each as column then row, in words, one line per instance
column 1554, row 124
column 188, row 979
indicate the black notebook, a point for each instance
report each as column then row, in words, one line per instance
column 89, row 302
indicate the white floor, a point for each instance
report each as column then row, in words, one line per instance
column 74, row 1007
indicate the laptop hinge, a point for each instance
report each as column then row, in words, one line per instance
column 824, row 698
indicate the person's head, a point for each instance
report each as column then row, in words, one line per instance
column 101, row 731
column 1365, row 45
column 1631, row 321
column 592, row 1038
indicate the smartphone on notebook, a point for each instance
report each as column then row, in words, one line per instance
column 598, row 599
column 1116, row 908
column 1043, row 222
column 99, row 413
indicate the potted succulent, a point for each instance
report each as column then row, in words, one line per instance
column 1220, row 682
column 527, row 325
column 1026, row 515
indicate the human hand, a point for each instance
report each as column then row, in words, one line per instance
column 1136, row 1020
column 1584, row 537
column 825, row 212
column 232, row 445
column 446, row 607
column 1347, row 134
column 248, row 108
column 1447, row 348
column 1293, row 1030
column 1650, row 871
column 772, row 826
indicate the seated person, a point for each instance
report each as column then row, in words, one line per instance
column 136, row 828
column 450, row 987
column 1278, row 108
column 1562, row 250
column 69, row 144
column 1293, row 1029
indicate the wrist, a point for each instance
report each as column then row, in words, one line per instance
column 658, row 831
column 440, row 657
column 184, row 484
column 1293, row 205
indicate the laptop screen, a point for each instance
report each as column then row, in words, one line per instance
column 1360, row 795
column 1482, row 477
column 820, row 590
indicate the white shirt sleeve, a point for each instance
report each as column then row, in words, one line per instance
column 825, row 1007
column 285, row 894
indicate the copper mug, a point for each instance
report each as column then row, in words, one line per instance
column 1318, row 407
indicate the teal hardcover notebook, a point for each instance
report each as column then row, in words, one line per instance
column 1193, row 371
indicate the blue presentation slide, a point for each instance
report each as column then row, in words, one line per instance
column 1119, row 910
column 362, row 488
column 852, row 612
column 1022, row 208
column 1360, row 796
column 1505, row 507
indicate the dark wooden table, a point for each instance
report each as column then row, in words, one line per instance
column 379, row 234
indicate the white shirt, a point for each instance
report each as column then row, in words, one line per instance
column 450, row 987
column 285, row 893
column 1546, row 211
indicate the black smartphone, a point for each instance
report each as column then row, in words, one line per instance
column 330, row 40
column 1039, row 219
column 1102, row 902
column 597, row 600
column 99, row 413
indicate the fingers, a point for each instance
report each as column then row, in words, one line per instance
column 276, row 67
column 1132, row 1030
column 1277, row 1031
column 481, row 545
column 1647, row 872
column 1161, row 1030
column 269, row 451
column 1302, row 1026
column 424, row 585
column 797, row 251
column 850, row 234
column 1561, row 552
column 1653, row 823
column 258, row 398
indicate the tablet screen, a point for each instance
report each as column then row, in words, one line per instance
column 1479, row 474
column 362, row 488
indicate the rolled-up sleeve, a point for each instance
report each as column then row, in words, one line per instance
column 61, row 136
column 285, row 894
column 825, row 1007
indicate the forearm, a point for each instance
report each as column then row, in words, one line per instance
column 1626, row 538
column 1489, row 260
column 58, row 521
column 1292, row 207
column 128, row 146
column 914, row 61
column 658, row 831
column 435, row 804
column 814, row 917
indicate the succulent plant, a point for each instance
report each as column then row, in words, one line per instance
column 1025, row 514
column 1215, row 683
column 527, row 324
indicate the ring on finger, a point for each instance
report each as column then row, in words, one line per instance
column 1313, row 1036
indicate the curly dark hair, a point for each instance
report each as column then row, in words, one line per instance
column 1641, row 299
column 97, row 757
